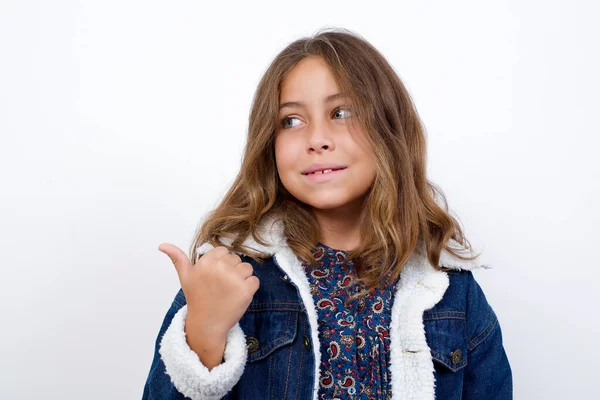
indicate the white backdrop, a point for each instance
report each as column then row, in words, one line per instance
column 122, row 123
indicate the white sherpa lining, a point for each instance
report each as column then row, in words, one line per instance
column 189, row 375
column 421, row 287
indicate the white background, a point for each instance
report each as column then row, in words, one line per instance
column 122, row 123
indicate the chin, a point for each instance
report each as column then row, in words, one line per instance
column 325, row 206
column 328, row 204
column 323, row 200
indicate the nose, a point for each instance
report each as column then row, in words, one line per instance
column 320, row 137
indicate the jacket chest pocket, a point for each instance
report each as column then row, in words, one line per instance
column 278, row 364
column 445, row 333
column 269, row 327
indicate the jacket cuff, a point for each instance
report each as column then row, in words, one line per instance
column 189, row 375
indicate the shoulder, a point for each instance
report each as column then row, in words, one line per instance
column 466, row 296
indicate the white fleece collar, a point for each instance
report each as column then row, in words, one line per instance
column 420, row 288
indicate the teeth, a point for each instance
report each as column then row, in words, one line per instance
column 322, row 172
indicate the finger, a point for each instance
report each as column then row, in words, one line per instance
column 178, row 257
column 252, row 283
column 216, row 253
column 244, row 270
column 230, row 259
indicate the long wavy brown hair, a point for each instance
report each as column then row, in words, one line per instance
column 402, row 207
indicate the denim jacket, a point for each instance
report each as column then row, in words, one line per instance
column 445, row 338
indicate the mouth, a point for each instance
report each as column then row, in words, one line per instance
column 325, row 175
column 324, row 171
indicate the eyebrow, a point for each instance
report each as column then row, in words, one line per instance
column 327, row 99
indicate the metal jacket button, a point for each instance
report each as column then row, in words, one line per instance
column 456, row 355
column 306, row 343
column 252, row 344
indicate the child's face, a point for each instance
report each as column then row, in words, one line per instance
column 319, row 133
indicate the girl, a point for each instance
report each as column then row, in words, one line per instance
column 330, row 270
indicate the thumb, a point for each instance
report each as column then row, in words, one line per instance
column 177, row 256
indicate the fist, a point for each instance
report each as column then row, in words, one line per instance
column 218, row 288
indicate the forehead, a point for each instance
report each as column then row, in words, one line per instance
column 310, row 78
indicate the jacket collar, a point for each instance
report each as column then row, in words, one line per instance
column 420, row 288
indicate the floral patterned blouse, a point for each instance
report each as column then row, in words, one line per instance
column 355, row 341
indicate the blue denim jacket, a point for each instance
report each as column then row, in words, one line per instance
column 446, row 341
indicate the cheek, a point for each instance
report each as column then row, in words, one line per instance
column 285, row 156
column 367, row 168
column 279, row 154
column 363, row 156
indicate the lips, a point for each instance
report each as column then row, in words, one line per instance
column 325, row 177
column 321, row 166
column 324, row 169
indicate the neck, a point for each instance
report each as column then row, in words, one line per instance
column 339, row 228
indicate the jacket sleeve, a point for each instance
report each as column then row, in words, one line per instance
column 178, row 373
column 488, row 374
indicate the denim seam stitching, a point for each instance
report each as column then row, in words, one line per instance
column 271, row 309
column 487, row 331
column 274, row 344
column 270, row 376
column 303, row 327
column 289, row 363
column 444, row 312
column 442, row 318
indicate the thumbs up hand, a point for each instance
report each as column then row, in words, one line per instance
column 218, row 288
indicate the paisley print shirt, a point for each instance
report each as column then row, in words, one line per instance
column 354, row 339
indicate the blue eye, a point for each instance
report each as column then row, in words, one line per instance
column 337, row 110
column 345, row 110
column 283, row 121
